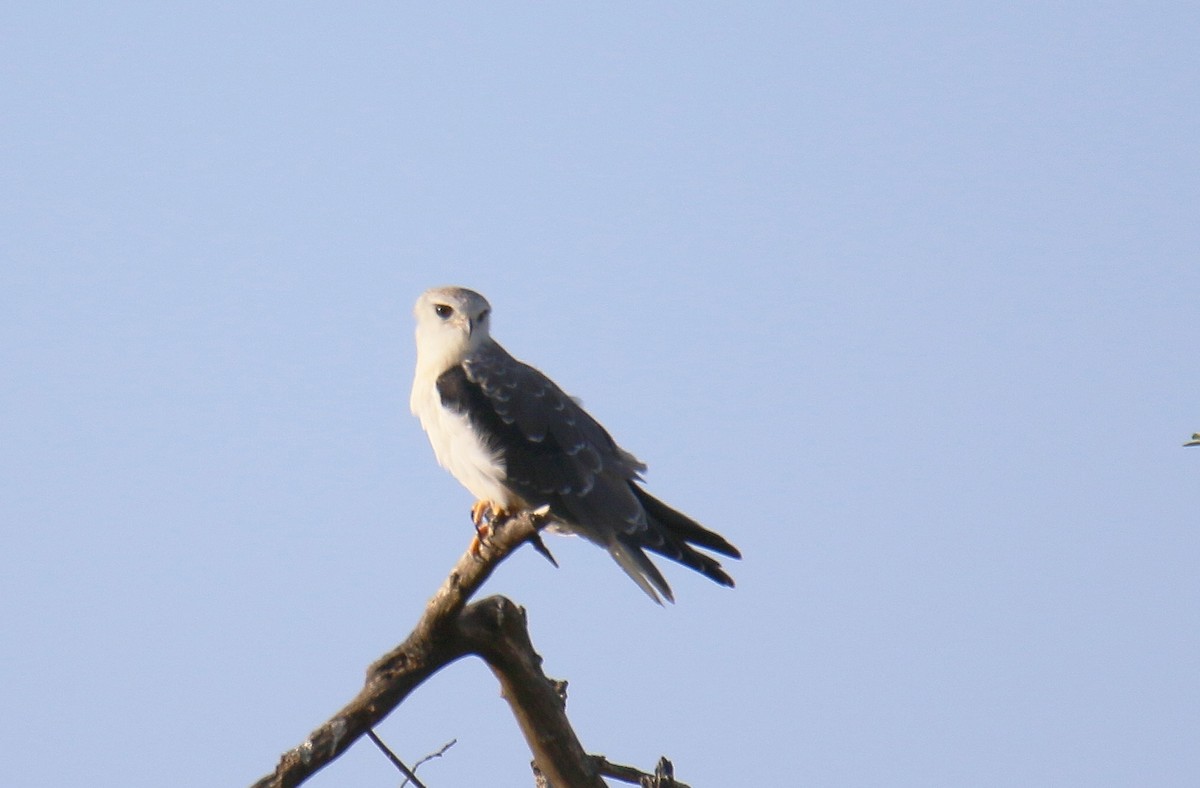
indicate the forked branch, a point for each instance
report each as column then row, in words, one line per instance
column 449, row 629
column 493, row 629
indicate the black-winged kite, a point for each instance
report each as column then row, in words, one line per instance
column 516, row 441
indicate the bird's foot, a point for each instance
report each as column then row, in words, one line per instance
column 483, row 515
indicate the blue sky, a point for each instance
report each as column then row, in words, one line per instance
column 901, row 298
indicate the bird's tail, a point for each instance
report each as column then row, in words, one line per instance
column 672, row 534
column 638, row 566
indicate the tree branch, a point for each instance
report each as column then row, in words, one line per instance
column 433, row 644
column 493, row 629
column 409, row 776
column 663, row 777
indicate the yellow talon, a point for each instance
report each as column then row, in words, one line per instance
column 483, row 514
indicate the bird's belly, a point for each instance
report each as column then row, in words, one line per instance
column 459, row 450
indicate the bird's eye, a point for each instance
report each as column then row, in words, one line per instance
column 443, row 310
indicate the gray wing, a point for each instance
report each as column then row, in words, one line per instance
column 556, row 455
column 554, row 452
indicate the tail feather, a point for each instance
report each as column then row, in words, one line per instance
column 684, row 527
column 639, row 567
column 672, row 534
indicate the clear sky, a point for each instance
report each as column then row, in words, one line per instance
column 902, row 298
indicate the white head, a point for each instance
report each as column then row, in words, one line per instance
column 451, row 322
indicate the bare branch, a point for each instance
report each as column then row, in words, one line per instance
column 663, row 776
column 391, row 756
column 430, row 757
column 432, row 645
column 494, row 629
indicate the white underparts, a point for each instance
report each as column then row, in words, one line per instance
column 459, row 449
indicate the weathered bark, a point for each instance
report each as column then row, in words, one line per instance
column 495, row 628
column 449, row 629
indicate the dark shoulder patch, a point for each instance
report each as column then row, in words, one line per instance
column 538, row 470
column 464, row 396
column 455, row 390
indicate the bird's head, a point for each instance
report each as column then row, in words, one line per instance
column 451, row 322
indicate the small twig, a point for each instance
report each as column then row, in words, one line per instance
column 663, row 773
column 408, row 775
column 435, row 642
column 430, row 757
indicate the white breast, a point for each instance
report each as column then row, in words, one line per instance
column 457, row 447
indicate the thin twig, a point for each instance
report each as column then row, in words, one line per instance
column 408, row 775
column 430, row 757
column 434, row 643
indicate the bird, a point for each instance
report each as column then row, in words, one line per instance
column 517, row 442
